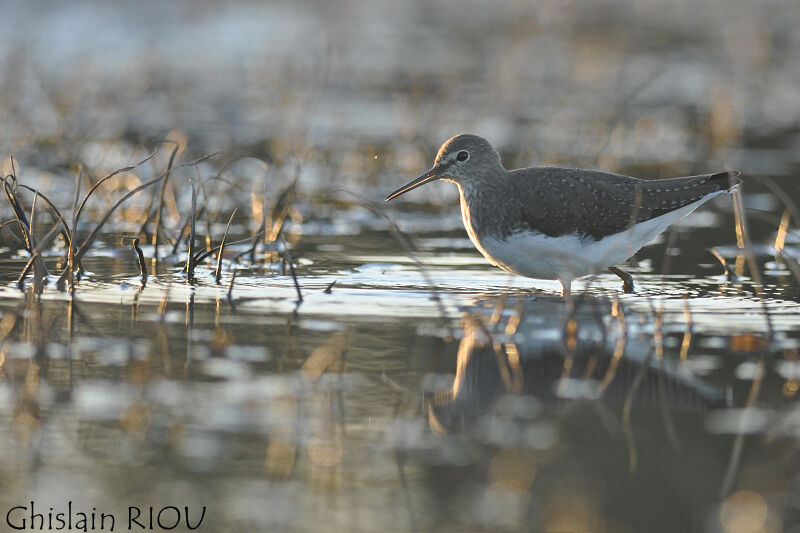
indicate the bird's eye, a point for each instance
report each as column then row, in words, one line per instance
column 462, row 156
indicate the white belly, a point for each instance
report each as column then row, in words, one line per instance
column 568, row 257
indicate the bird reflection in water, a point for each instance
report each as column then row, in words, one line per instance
column 547, row 358
column 574, row 420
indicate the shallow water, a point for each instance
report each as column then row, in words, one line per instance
column 414, row 386
column 385, row 400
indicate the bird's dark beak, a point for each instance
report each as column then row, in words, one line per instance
column 432, row 174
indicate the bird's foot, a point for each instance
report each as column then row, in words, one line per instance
column 627, row 279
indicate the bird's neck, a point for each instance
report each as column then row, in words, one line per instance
column 477, row 189
column 468, row 195
column 473, row 207
column 479, row 205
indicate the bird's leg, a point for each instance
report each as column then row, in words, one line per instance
column 566, row 290
column 627, row 279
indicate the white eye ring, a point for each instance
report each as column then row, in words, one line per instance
column 462, row 156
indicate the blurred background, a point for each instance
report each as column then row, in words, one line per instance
column 672, row 87
column 380, row 403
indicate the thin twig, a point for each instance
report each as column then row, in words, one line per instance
column 92, row 236
column 202, row 255
column 108, row 177
column 160, row 210
column 218, row 271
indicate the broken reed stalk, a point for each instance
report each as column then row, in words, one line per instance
column 184, row 227
column 140, row 258
column 218, row 270
column 71, row 254
column 230, row 286
column 26, row 228
column 193, row 219
column 288, row 257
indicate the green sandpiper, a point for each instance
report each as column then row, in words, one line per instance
column 562, row 223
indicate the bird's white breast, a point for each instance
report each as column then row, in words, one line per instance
column 567, row 257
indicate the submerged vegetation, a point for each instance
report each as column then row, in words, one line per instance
column 182, row 241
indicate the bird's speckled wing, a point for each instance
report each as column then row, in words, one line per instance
column 594, row 204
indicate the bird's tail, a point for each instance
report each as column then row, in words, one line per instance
column 726, row 181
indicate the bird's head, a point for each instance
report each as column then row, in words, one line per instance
column 461, row 159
